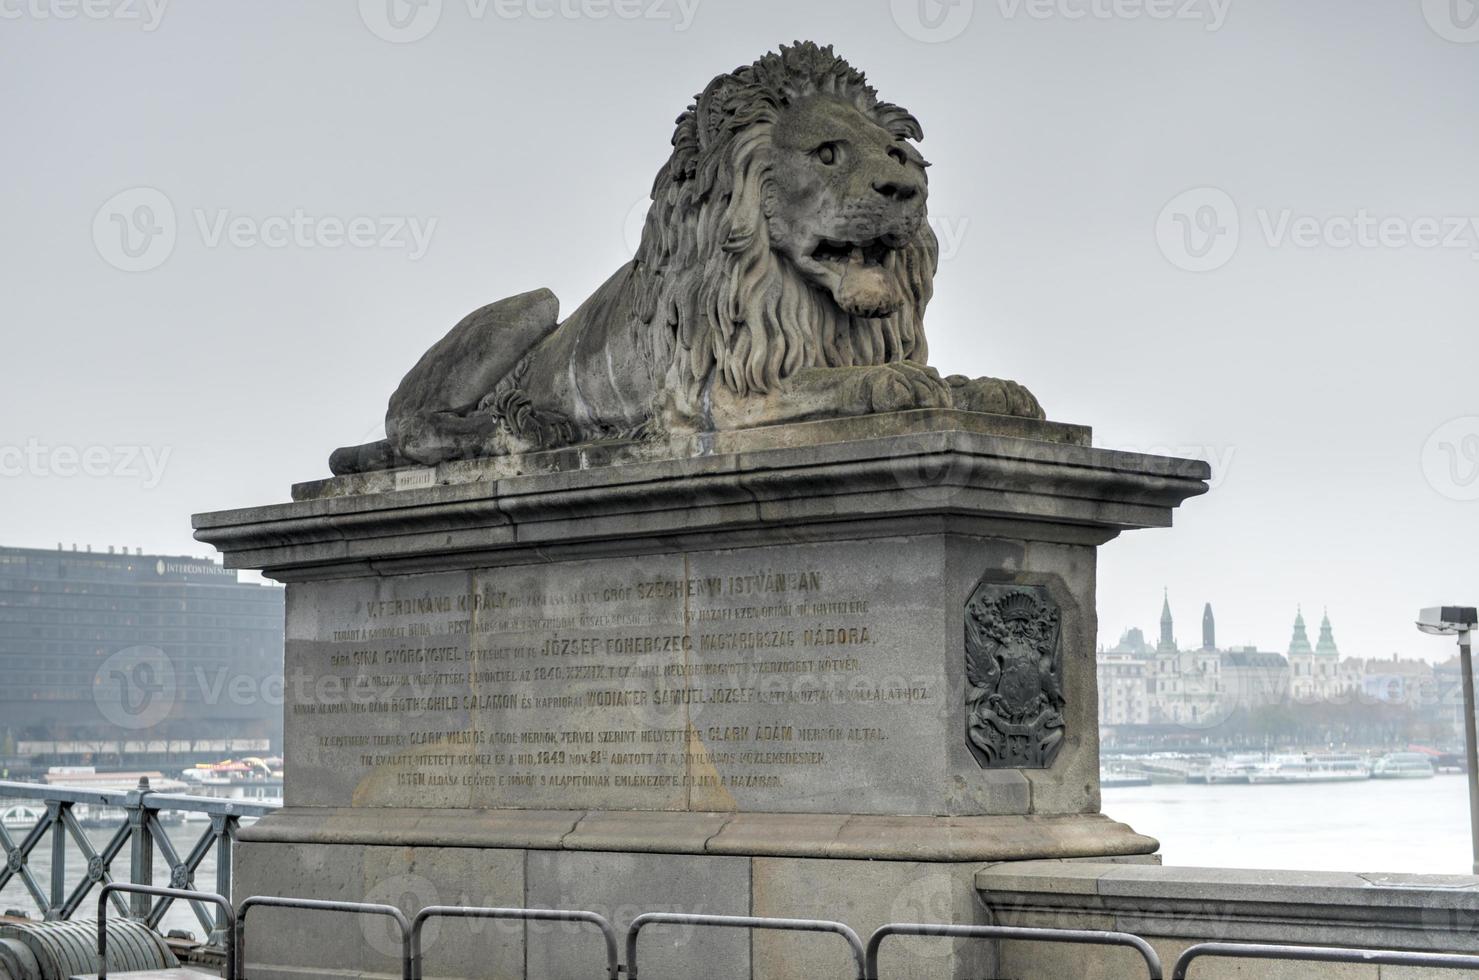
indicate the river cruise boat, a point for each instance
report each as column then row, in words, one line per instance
column 1403, row 765
column 1310, row 769
column 1234, row 769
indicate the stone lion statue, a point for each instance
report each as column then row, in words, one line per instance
column 783, row 275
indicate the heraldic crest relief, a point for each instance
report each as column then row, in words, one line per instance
column 1014, row 675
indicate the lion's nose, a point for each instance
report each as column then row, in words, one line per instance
column 897, row 190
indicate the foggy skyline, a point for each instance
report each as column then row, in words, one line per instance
column 1245, row 232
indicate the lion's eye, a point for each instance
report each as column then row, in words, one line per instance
column 827, row 154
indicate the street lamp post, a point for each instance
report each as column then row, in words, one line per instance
column 1461, row 621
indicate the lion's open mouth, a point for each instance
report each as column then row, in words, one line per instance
column 873, row 252
column 859, row 275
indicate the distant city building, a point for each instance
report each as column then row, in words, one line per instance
column 1398, row 681
column 134, row 654
column 1132, row 641
column 1124, row 696
column 1314, row 672
column 1162, row 688
column 1186, row 687
column 1255, row 678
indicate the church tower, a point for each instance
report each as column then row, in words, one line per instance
column 1325, row 646
column 1299, row 644
column 1168, row 635
column 1209, row 629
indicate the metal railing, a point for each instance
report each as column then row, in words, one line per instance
column 865, row 958
column 1322, row 954
column 149, row 890
column 854, row 944
column 1088, row 937
column 408, row 971
column 613, row 964
column 141, row 830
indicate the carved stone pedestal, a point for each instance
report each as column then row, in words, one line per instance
column 822, row 670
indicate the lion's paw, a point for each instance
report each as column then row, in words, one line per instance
column 524, row 428
column 897, row 387
column 994, row 396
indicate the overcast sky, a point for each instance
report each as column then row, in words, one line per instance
column 1235, row 229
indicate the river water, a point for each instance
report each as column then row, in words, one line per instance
column 1419, row 825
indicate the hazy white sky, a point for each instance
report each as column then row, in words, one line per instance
column 1240, row 229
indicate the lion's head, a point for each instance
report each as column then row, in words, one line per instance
column 788, row 228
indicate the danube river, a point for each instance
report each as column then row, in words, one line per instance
column 1418, row 825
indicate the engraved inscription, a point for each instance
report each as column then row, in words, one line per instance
column 610, row 683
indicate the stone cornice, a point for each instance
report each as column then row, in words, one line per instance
column 949, row 474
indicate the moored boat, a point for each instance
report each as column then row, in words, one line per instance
column 1310, row 769
column 1403, row 765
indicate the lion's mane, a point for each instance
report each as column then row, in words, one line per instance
column 721, row 303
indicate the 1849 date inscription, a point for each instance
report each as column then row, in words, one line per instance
column 600, row 684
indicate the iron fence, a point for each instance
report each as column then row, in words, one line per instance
column 140, row 831
column 1321, row 954
column 865, row 958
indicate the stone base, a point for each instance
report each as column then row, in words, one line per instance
column 862, row 870
column 620, row 886
column 1173, row 908
column 810, row 835
column 828, row 670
